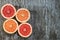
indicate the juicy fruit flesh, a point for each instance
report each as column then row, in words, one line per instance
column 25, row 29
column 8, row 11
column 22, row 15
column 10, row 26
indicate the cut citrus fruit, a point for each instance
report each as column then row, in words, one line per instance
column 22, row 15
column 8, row 11
column 10, row 26
column 25, row 30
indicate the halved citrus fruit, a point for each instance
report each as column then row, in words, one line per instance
column 8, row 11
column 22, row 15
column 10, row 26
column 25, row 30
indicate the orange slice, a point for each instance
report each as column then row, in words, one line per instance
column 10, row 26
column 22, row 15
column 25, row 30
column 8, row 11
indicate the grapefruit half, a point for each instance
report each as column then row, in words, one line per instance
column 8, row 11
column 10, row 26
column 25, row 30
column 22, row 15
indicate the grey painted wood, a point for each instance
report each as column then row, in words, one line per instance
column 45, row 19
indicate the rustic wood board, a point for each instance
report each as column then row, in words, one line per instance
column 45, row 19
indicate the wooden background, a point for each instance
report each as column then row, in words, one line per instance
column 45, row 19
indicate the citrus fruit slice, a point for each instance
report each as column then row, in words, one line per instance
column 22, row 15
column 10, row 26
column 25, row 30
column 8, row 11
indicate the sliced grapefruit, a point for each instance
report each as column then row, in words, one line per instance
column 22, row 15
column 10, row 26
column 25, row 30
column 8, row 11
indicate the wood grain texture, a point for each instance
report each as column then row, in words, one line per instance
column 45, row 19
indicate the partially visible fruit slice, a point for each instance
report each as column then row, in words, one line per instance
column 10, row 26
column 22, row 15
column 8, row 11
column 25, row 30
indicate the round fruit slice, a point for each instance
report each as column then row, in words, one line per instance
column 22, row 15
column 25, row 30
column 8, row 11
column 10, row 26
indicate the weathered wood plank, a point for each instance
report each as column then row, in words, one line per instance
column 45, row 19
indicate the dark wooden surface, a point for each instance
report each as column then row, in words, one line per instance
column 45, row 19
